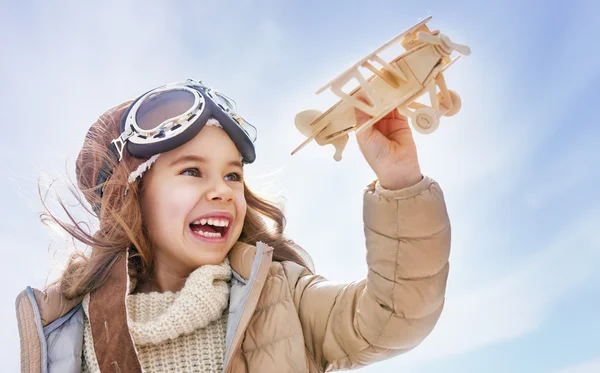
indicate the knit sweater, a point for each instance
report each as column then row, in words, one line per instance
column 176, row 332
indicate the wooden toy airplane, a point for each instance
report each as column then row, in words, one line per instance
column 395, row 85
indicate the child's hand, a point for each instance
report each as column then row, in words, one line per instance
column 390, row 150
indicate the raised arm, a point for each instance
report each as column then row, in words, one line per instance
column 391, row 311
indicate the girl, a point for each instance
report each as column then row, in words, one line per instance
column 185, row 276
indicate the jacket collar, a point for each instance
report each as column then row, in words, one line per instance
column 113, row 344
column 241, row 257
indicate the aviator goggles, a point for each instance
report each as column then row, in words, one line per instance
column 167, row 117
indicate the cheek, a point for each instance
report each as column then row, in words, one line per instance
column 240, row 208
column 167, row 210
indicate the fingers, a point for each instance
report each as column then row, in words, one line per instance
column 393, row 126
column 388, row 126
column 390, row 123
column 367, row 134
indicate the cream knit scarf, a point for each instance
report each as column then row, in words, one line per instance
column 156, row 317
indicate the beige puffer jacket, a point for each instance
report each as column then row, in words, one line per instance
column 292, row 320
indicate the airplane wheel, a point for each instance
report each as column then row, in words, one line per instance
column 456, row 103
column 425, row 120
column 304, row 119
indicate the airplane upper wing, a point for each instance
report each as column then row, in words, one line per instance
column 348, row 73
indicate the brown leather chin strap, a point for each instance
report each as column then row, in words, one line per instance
column 113, row 344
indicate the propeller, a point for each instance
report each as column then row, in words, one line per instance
column 443, row 41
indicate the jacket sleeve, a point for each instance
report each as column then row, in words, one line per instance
column 391, row 311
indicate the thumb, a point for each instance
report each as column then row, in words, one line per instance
column 367, row 135
column 360, row 116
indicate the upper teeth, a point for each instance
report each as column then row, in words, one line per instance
column 213, row 221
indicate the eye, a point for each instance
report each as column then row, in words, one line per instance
column 191, row 172
column 234, row 176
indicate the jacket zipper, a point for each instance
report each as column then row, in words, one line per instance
column 251, row 304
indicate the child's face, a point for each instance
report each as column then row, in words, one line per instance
column 186, row 187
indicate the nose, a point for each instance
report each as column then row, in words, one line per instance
column 220, row 191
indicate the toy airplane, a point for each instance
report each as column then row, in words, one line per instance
column 395, row 85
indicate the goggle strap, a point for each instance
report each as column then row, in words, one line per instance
column 120, row 142
column 105, row 172
column 119, row 146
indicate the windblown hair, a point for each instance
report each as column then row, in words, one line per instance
column 121, row 225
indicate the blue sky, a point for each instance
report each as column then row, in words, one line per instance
column 518, row 164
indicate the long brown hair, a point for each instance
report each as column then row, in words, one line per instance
column 121, row 229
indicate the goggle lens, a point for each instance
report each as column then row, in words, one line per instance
column 162, row 106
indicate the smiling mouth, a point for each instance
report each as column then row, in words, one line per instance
column 211, row 228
